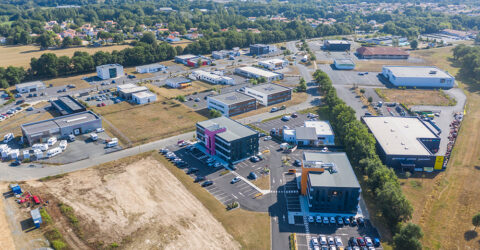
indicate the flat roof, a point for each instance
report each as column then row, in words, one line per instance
column 321, row 127
column 211, row 75
column 235, row 130
column 304, row 133
column 134, row 90
column 186, row 57
column 273, row 61
column 59, row 122
column 143, row 94
column 231, row 98
column 337, row 42
column 178, row 80
column 418, row 71
column 29, row 84
column 343, row 177
column 259, row 72
column 269, row 88
column 344, row 61
column 67, row 105
column 399, row 135
column 109, row 65
column 126, row 86
column 148, row 66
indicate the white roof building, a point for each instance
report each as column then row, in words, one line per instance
column 253, row 72
column 30, row 86
column 143, row 97
column 418, row 76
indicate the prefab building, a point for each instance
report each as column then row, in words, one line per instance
column 109, row 71
column 418, row 77
column 381, row 53
column 60, row 127
column 344, row 63
column 36, row 217
column 405, row 143
column 30, row 87
column 231, row 104
column 143, row 97
column 150, row 68
column 269, row 94
column 178, row 82
column 252, row 72
column 336, row 45
column 212, row 78
column 274, row 64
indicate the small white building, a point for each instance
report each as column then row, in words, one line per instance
column 274, row 64
column 212, row 78
column 269, row 93
column 30, row 87
column 109, row 71
column 289, row 135
column 178, row 82
column 323, row 130
column 150, row 68
column 344, row 63
column 143, row 97
column 253, row 72
column 418, row 76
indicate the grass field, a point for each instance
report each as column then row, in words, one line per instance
column 197, row 86
column 411, row 97
column 376, row 65
column 12, row 125
column 250, row 229
column 20, row 55
column 444, row 204
column 145, row 123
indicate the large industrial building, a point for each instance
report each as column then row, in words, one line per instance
column 329, row 184
column 253, row 72
column 233, row 103
column 381, row 53
column 60, row 127
column 30, row 87
column 336, row 45
column 269, row 94
column 212, row 78
column 227, row 139
column 418, row 77
column 66, row 105
column 109, row 71
column 150, row 68
column 405, row 143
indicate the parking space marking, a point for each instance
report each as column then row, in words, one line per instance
column 241, row 194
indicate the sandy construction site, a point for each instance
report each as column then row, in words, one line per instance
column 137, row 204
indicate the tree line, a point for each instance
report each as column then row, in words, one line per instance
column 382, row 181
column 468, row 58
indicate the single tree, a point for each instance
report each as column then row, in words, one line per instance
column 414, row 44
column 476, row 220
column 302, row 85
column 408, row 237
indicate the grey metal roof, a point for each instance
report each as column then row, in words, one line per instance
column 176, row 80
column 67, row 105
column 30, row 84
column 344, row 177
column 149, row 66
column 231, row 98
column 234, row 130
column 109, row 66
column 59, row 122
column 306, row 133
column 269, row 88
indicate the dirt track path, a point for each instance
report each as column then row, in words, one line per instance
column 6, row 240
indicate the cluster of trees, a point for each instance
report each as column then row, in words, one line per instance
column 468, row 57
column 49, row 65
column 361, row 149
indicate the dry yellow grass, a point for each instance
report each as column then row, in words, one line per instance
column 262, row 182
column 197, row 86
column 376, row 65
column 444, row 204
column 145, row 123
column 12, row 125
column 411, row 97
column 20, row 55
column 182, row 43
column 297, row 98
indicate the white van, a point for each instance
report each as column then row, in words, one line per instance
column 53, row 152
column 93, row 136
column 63, row 144
column 112, row 143
column 7, row 138
column 51, row 141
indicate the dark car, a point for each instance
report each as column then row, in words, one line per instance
column 252, row 176
column 207, row 183
column 16, row 163
column 192, row 170
column 353, row 242
column 360, row 221
column 199, row 178
column 294, row 115
column 353, row 222
column 181, row 164
column 361, row 241
column 376, row 242
column 297, row 163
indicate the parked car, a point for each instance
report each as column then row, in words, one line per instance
column 332, row 220
column 311, row 219
column 322, row 239
column 338, row 241
column 294, row 115
column 297, row 163
column 254, row 159
column 314, row 241
column 361, row 241
column 368, row 242
column 339, row 220
column 330, row 241
column 235, row 180
column 267, row 138
column 207, row 183
column 346, row 221
column 192, row 170
column 16, row 163
column 318, row 219
column 199, row 178
column 285, row 118
column 352, row 242
column 197, row 99
column 353, row 221
column 376, row 242
column 252, row 176
column 325, row 220
column 29, row 108
column 274, row 109
column 360, row 221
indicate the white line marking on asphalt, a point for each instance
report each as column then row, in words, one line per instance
column 241, row 194
column 234, row 196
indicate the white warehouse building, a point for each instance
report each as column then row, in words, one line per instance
column 109, row 71
column 212, row 78
column 344, row 63
column 150, row 68
column 252, row 72
column 273, row 64
column 418, row 76
column 143, row 97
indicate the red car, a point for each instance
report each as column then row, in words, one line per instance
column 103, row 104
column 99, row 105
column 361, row 241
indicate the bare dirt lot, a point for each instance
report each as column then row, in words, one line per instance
column 6, row 240
column 411, row 97
column 196, row 87
column 136, row 203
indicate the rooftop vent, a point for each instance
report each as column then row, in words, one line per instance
column 433, row 72
column 392, row 130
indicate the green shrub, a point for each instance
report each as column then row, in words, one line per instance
column 57, row 245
